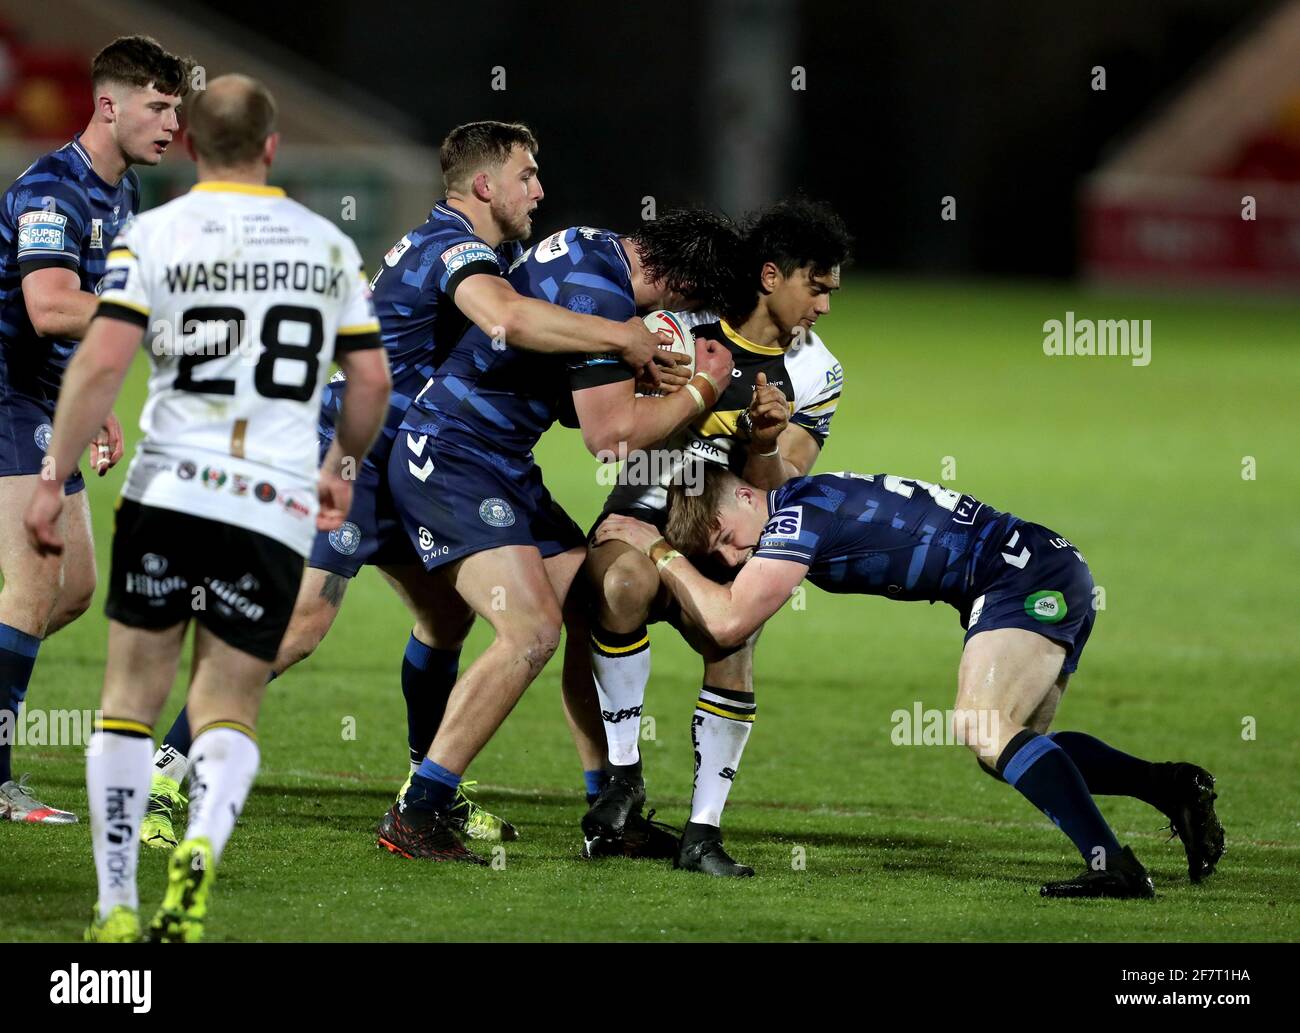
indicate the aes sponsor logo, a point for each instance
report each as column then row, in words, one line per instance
column 785, row 523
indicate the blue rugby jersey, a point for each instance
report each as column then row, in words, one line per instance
column 414, row 292
column 57, row 213
column 499, row 398
column 883, row 535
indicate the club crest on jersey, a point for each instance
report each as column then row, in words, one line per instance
column 345, row 538
column 97, row 233
column 213, row 477
column 496, row 512
column 1048, row 607
column 154, row 565
column 785, row 523
column 42, row 434
column 41, row 230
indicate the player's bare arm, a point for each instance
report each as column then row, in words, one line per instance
column 90, row 386
column 56, row 304
column 612, row 416
column 728, row 614
column 496, row 308
column 58, row 307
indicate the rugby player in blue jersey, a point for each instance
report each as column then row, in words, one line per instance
column 57, row 222
column 470, row 494
column 1025, row 598
column 439, row 280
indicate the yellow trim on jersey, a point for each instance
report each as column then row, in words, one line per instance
column 719, row 424
column 121, row 252
column 615, row 650
column 121, row 724
column 701, row 705
column 359, row 328
column 220, row 186
column 747, row 344
column 125, row 304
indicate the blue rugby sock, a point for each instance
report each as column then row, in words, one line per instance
column 178, row 736
column 17, row 658
column 595, row 781
column 1111, row 772
column 433, row 788
column 428, row 676
column 1044, row 774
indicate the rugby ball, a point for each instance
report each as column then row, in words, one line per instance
column 683, row 341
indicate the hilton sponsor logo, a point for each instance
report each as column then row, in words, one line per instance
column 230, row 595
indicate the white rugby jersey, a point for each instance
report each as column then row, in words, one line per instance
column 808, row 374
column 245, row 296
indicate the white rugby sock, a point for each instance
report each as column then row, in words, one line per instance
column 117, row 782
column 223, row 763
column 621, row 666
column 720, row 728
column 170, row 762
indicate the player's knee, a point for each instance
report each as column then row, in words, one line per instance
column 72, row 601
column 534, row 638
column 627, row 592
column 976, row 728
column 70, row 609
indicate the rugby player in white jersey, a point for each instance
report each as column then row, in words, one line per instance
column 770, row 422
column 243, row 298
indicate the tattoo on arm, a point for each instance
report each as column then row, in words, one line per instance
column 332, row 590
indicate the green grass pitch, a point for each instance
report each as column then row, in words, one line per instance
column 1194, row 657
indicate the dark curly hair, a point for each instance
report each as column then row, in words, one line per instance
column 691, row 251
column 791, row 234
